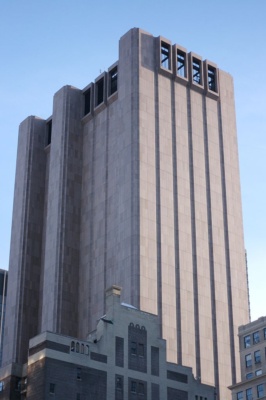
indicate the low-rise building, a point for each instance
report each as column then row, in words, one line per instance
column 124, row 358
column 252, row 344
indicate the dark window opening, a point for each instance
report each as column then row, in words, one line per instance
column 141, row 350
column 99, row 91
column 133, row 387
column 119, row 383
column 77, row 347
column 134, row 348
column 113, row 81
column 49, row 133
column 181, row 63
column 141, row 388
column 196, row 71
column 212, row 78
column 72, row 346
column 249, row 375
column 87, row 102
column 52, row 388
column 79, row 374
column 165, row 55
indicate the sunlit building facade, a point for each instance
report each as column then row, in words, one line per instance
column 134, row 181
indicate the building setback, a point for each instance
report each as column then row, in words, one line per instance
column 134, row 181
column 124, row 358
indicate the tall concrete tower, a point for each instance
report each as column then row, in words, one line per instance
column 134, row 181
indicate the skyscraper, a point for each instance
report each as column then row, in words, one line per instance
column 134, row 181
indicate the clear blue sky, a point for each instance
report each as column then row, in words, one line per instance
column 46, row 44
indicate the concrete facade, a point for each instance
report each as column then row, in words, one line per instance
column 252, row 345
column 124, row 358
column 134, row 181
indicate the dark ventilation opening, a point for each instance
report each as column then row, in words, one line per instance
column 113, row 80
column 165, row 55
column 87, row 102
column 196, row 71
column 212, row 78
column 99, row 91
column 181, row 63
column 49, row 133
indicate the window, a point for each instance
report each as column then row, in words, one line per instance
column 247, row 341
column 99, row 91
column 72, row 346
column 258, row 372
column 165, row 55
column 196, row 71
column 82, row 348
column 239, row 396
column 52, row 388
column 113, row 81
column 256, row 337
column 249, row 375
column 77, row 347
column 87, row 102
column 212, row 78
column 141, row 350
column 181, row 63
column 264, row 332
column 79, row 374
column 1, row 386
column 134, row 348
column 119, row 382
column 248, row 360
column 249, row 394
column 49, row 133
column 133, row 387
column 257, row 358
column 260, row 391
column 141, row 388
